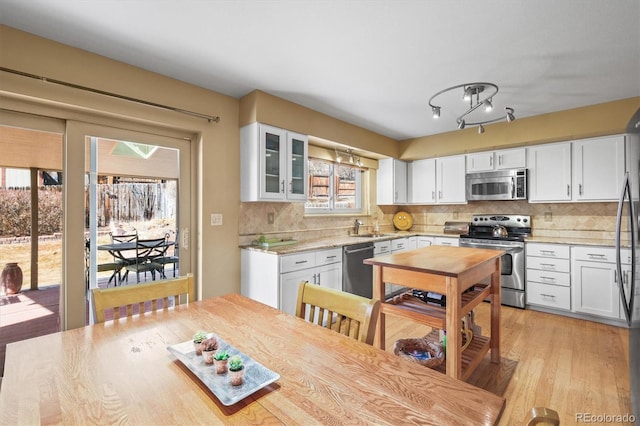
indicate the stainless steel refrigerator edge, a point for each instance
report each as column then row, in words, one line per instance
column 628, row 210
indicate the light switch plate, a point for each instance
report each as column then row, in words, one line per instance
column 216, row 219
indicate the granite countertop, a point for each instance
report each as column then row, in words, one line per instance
column 335, row 242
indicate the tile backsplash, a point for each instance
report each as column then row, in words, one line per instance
column 575, row 220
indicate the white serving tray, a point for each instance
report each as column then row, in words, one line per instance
column 256, row 376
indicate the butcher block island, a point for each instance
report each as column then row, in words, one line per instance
column 451, row 271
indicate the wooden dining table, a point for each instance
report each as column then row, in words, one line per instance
column 121, row 372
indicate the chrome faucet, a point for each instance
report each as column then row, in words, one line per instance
column 356, row 226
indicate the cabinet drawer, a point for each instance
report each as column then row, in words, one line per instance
column 326, row 257
column 399, row 244
column 446, row 241
column 382, row 247
column 549, row 295
column 548, row 264
column 549, row 277
column 600, row 254
column 295, row 262
column 548, row 250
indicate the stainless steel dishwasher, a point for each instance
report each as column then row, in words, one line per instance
column 357, row 278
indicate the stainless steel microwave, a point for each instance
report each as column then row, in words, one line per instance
column 508, row 184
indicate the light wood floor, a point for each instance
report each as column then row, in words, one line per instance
column 572, row 366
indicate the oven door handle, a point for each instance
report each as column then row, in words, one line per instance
column 491, row 247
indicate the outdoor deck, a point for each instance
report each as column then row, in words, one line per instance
column 33, row 313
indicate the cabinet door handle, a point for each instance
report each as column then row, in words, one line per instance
column 433, row 195
column 580, row 189
column 548, row 266
column 596, row 255
column 440, row 195
column 491, row 161
column 548, row 252
column 330, row 257
column 547, row 279
column 282, row 189
column 547, row 295
column 568, row 190
column 300, row 262
column 318, row 278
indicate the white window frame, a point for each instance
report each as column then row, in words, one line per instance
column 332, row 209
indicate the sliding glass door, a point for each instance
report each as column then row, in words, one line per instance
column 132, row 184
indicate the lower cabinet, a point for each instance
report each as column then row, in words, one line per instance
column 273, row 279
column 548, row 276
column 596, row 284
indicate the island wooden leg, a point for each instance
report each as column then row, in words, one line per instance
column 454, row 339
column 495, row 314
column 378, row 293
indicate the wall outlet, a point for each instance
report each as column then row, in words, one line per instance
column 270, row 218
column 216, row 219
column 548, row 217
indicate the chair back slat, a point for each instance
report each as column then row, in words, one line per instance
column 141, row 295
column 346, row 313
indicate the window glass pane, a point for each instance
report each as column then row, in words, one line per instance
column 347, row 187
column 319, row 185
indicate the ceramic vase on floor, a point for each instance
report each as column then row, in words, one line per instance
column 11, row 279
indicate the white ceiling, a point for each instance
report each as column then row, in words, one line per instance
column 372, row 63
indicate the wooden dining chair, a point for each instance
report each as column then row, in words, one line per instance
column 346, row 313
column 543, row 416
column 140, row 298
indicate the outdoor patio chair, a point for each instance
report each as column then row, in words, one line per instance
column 147, row 252
column 114, row 266
column 166, row 260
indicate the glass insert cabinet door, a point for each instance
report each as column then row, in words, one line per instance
column 283, row 164
column 273, row 141
column 298, row 166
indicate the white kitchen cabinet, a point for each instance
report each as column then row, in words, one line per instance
column 451, row 180
column 598, row 168
column 274, row 280
column 391, row 182
column 399, row 245
column 438, row 181
column 549, row 172
column 424, row 241
column 273, row 164
column 515, row 158
column 596, row 282
column 446, row 241
column 548, row 276
column 422, row 181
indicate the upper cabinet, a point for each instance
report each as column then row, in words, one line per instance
column 515, row 158
column 549, row 172
column 598, row 168
column 437, row 180
column 422, row 181
column 582, row 170
column 391, row 182
column 273, row 164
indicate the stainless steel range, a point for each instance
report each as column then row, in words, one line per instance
column 503, row 232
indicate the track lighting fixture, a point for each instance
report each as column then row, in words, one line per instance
column 349, row 155
column 476, row 94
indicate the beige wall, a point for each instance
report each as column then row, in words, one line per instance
column 597, row 120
